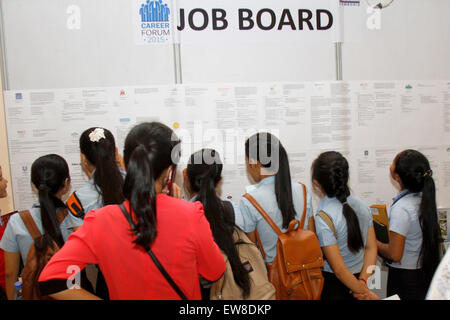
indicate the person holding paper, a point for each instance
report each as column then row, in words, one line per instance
column 345, row 231
column 415, row 237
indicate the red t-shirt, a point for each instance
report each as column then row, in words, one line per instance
column 184, row 245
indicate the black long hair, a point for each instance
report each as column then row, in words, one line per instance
column 108, row 179
column 416, row 175
column 204, row 173
column 268, row 150
column 48, row 174
column 330, row 170
column 150, row 148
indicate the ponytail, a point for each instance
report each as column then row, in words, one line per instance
column 139, row 188
column 100, row 150
column 283, row 188
column 430, row 251
column 354, row 237
column 416, row 176
column 330, row 170
column 268, row 150
column 48, row 174
column 150, row 148
column 203, row 178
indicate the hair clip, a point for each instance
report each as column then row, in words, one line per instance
column 97, row 134
column 428, row 173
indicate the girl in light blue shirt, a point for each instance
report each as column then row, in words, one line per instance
column 99, row 160
column 414, row 234
column 267, row 164
column 50, row 179
column 345, row 231
column 99, row 156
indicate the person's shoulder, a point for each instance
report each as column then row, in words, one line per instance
column 101, row 214
column 360, row 206
column 86, row 191
column 181, row 207
column 14, row 220
column 330, row 206
column 410, row 202
column 16, row 223
column 407, row 205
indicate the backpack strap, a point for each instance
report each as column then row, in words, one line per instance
column 263, row 213
column 30, row 224
column 267, row 218
column 325, row 217
column 302, row 223
column 153, row 257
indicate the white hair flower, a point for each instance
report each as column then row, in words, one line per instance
column 97, row 135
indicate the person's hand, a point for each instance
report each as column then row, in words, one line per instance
column 368, row 295
column 176, row 191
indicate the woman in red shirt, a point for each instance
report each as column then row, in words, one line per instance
column 176, row 231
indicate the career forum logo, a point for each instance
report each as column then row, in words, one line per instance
column 155, row 21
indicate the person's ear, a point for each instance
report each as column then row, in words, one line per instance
column 66, row 187
column 317, row 188
column 397, row 178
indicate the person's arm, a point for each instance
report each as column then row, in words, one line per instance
column 211, row 264
column 328, row 243
column 77, row 252
column 74, row 294
column 344, row 275
column 370, row 254
column 310, row 212
column 246, row 221
column 12, row 261
column 399, row 222
column 394, row 249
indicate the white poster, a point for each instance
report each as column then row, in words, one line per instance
column 369, row 122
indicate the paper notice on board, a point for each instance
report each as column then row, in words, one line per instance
column 368, row 122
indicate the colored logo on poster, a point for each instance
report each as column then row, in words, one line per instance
column 19, row 96
column 155, row 21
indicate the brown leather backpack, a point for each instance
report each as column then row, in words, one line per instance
column 260, row 287
column 295, row 271
column 36, row 261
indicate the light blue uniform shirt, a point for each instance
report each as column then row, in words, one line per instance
column 333, row 207
column 264, row 194
column 404, row 220
column 89, row 195
column 17, row 238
